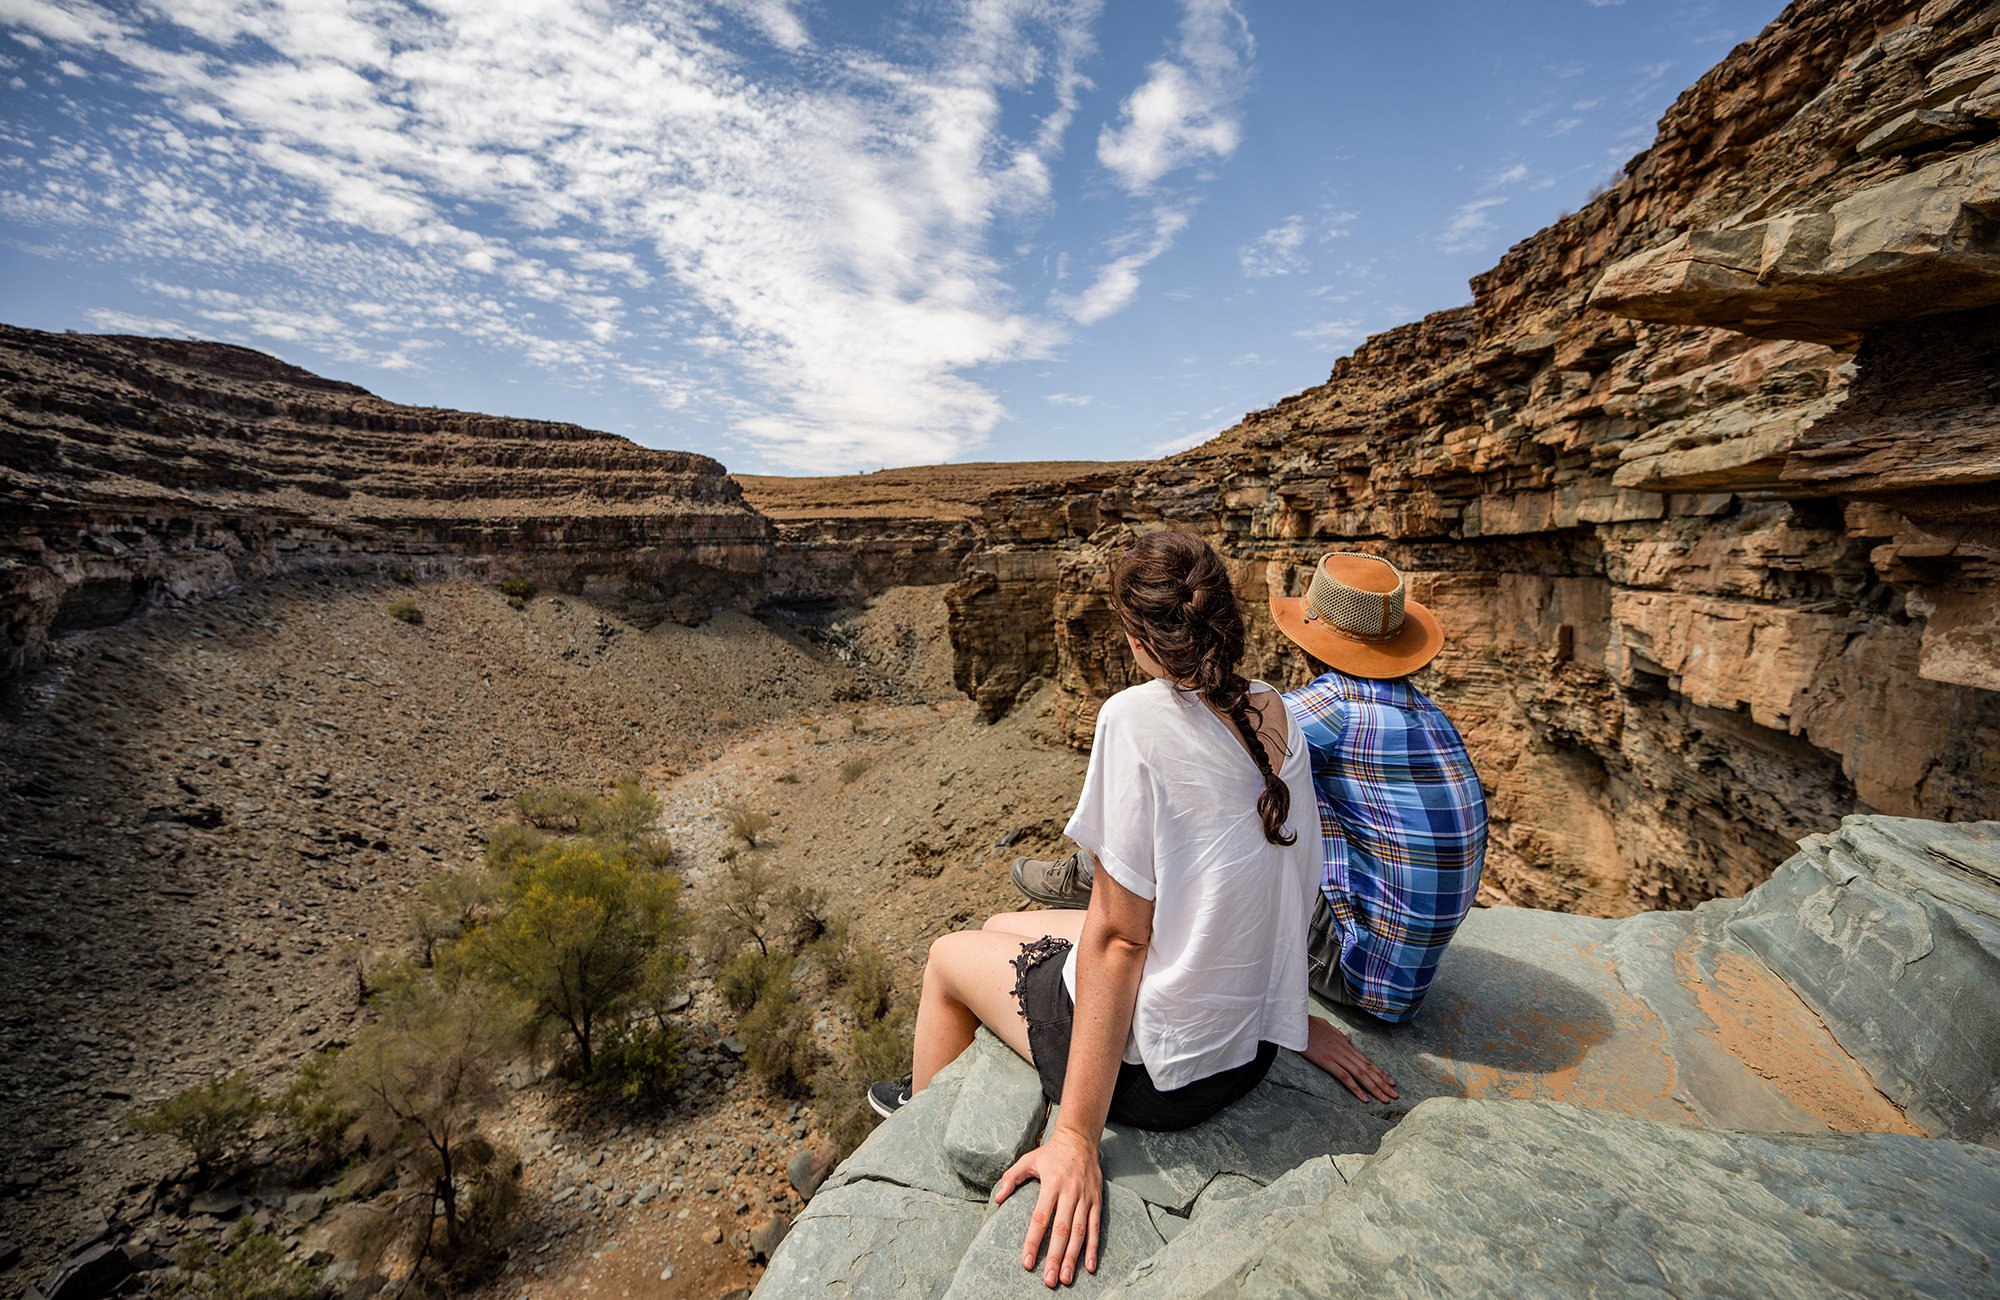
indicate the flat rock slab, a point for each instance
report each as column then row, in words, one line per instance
column 1514, row 1198
column 870, row 1239
column 992, row 1264
column 998, row 1115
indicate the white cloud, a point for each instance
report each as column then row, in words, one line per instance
column 393, row 176
column 1278, row 251
column 1117, row 281
column 1332, row 333
column 1182, row 441
column 1184, row 111
column 1069, row 399
column 1470, row 228
column 1510, row 176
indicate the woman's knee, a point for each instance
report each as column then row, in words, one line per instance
column 1009, row 922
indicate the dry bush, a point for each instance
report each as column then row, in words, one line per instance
column 746, row 823
column 251, row 1265
column 851, row 769
column 743, row 979
column 406, row 611
column 869, row 990
column 788, row 778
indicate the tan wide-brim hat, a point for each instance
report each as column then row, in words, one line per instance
column 1356, row 617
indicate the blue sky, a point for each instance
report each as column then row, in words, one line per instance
column 806, row 236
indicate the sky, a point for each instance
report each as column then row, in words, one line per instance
column 813, row 236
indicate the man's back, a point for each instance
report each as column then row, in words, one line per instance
column 1402, row 829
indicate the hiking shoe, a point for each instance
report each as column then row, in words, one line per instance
column 1062, row 883
column 889, row 1096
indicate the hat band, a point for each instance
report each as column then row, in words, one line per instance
column 1313, row 615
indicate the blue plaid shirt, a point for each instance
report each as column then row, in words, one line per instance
column 1403, row 829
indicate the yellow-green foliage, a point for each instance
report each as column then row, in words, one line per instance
column 878, row 1050
column 868, row 987
column 622, row 821
column 420, row 1082
column 743, row 979
column 215, row 1121
column 778, row 1035
column 314, row 1117
column 406, row 611
column 583, row 937
column 638, row 1062
column 518, row 589
column 450, row 906
column 251, row 1266
column 851, row 770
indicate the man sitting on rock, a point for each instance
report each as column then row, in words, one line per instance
column 1402, row 816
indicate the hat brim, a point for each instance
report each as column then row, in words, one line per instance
column 1415, row 644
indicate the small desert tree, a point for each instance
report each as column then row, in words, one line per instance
column 419, row 1083
column 451, row 906
column 214, row 1121
column 584, row 938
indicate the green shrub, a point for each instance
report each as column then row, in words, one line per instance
column 510, row 846
column 851, row 770
column 624, row 817
column 449, row 907
column 778, row 1036
column 214, row 1121
column 582, row 937
column 747, row 977
column 251, row 1266
column 406, row 611
column 518, row 589
column 807, row 915
column 312, row 1115
column 554, row 808
column 840, row 1089
column 404, row 574
column 746, row 824
column 638, row 1063
column 742, row 910
column 869, row 991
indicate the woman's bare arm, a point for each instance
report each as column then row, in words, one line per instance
column 1069, row 1208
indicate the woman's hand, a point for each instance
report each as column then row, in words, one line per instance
column 1069, row 1207
column 1335, row 1053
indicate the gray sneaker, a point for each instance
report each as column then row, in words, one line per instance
column 1062, row 883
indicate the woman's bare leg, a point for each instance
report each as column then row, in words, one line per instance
column 1063, row 923
column 968, row 982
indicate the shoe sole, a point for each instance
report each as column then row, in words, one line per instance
column 1045, row 898
column 884, row 1111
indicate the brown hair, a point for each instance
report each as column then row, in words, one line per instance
column 1172, row 593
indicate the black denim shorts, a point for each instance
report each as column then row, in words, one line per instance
column 1046, row 1004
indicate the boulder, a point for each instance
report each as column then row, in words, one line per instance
column 868, row 1238
column 992, row 1263
column 998, row 1115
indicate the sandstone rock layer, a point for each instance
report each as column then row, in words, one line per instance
column 139, row 470
column 1704, row 484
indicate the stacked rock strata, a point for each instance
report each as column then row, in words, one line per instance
column 139, row 470
column 1795, row 1093
column 1704, row 484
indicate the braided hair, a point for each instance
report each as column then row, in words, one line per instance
column 1172, row 593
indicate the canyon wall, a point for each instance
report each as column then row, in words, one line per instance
column 1704, row 484
column 135, row 471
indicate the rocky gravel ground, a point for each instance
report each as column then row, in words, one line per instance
column 207, row 817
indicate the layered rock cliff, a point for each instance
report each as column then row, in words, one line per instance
column 1704, row 484
column 139, row 470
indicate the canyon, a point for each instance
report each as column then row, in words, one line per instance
column 1703, row 483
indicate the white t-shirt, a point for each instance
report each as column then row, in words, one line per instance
column 1169, row 806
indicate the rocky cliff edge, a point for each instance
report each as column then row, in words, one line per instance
column 1794, row 1093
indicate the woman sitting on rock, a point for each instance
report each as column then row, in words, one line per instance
column 1168, row 999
